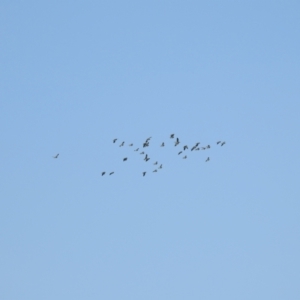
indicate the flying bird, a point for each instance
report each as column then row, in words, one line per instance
column 137, row 149
column 184, row 157
column 160, row 167
column 142, row 152
column 144, row 173
column 185, row 147
column 219, row 142
column 223, row 143
column 155, row 171
column 207, row 159
column 122, row 144
column 131, row 145
column 177, row 142
column 111, row 173
column 156, row 163
column 102, row 173
column 114, row 140
column 162, row 145
column 125, row 158
column 172, row 135
column 56, row 156
column 179, row 152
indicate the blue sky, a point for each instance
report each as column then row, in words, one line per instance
column 76, row 74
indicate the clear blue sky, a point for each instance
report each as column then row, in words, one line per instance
column 76, row 74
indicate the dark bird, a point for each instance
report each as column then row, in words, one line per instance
column 207, row 159
column 144, row 173
column 56, row 156
column 156, row 163
column 162, row 145
column 223, row 143
column 197, row 148
column 219, row 142
column 155, row 171
column 146, row 157
column 179, row 152
column 142, row 152
column 160, row 167
column 137, row 149
column 125, row 158
column 146, row 144
column 185, row 147
column 184, row 157
column 103, row 173
column 172, row 136
column 148, row 139
column 177, row 142
column 111, row 173
column 208, row 146
column 203, row 148
column 122, row 144
column 193, row 148
column 114, row 140
column 131, row 145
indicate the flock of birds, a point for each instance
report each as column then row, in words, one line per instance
column 158, row 166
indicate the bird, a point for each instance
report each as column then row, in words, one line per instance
column 197, row 148
column 146, row 156
column 172, row 135
column 207, row 159
column 218, row 142
column 137, row 149
column 179, row 152
column 203, row 148
column 147, row 159
column 193, row 148
column 146, row 144
column 131, row 145
column 56, row 156
column 125, row 158
column 177, row 142
column 155, row 170
column 102, row 173
column 111, row 173
column 142, row 152
column 162, row 145
column 156, row 163
column 160, row 167
column 208, row 146
column 185, row 147
column 114, row 140
column 223, row 143
column 184, row 157
column 122, row 144
column 144, row 173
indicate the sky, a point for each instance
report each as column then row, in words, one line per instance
column 75, row 75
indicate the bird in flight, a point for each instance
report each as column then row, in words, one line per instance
column 177, row 142
column 185, row 147
column 144, row 173
column 218, row 142
column 137, row 149
column 156, row 163
column 56, row 156
column 155, row 170
column 160, row 167
column 102, row 173
column 142, row 152
column 223, row 143
column 125, row 158
column 111, row 173
column 172, row 136
column 114, row 140
column 162, row 145
column 122, row 144
column 179, row 152
column 185, row 157
column 207, row 159
column 131, row 145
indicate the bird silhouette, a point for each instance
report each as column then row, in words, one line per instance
column 114, row 140
column 56, row 156
column 177, row 142
column 218, row 142
column 144, row 173
column 223, row 143
column 162, row 145
column 111, row 173
column 155, row 171
column 131, row 145
column 172, row 136
column 125, row 158
column 122, row 144
column 160, row 167
column 156, row 163
column 142, row 152
column 185, row 157
column 207, row 159
column 137, row 149
column 179, row 152
column 103, row 173
column 185, row 147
